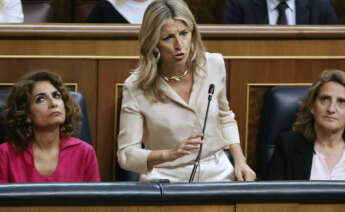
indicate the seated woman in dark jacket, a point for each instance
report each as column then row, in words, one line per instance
column 314, row 150
column 118, row 11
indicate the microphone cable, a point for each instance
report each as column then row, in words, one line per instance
column 197, row 159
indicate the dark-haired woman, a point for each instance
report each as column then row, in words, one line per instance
column 314, row 150
column 40, row 117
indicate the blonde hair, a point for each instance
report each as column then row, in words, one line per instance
column 157, row 14
column 305, row 119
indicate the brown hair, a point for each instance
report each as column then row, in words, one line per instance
column 15, row 113
column 305, row 119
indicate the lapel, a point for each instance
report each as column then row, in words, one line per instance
column 172, row 94
column 302, row 12
column 260, row 9
column 198, row 95
column 195, row 97
column 303, row 156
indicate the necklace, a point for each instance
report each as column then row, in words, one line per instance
column 176, row 78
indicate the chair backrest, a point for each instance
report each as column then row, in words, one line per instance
column 85, row 134
column 37, row 11
column 81, row 10
column 279, row 113
column 43, row 11
column 3, row 98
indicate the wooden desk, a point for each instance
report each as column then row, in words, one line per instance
column 131, row 197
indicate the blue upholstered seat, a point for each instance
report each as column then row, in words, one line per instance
column 279, row 113
column 85, row 134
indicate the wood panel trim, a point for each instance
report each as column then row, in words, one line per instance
column 67, row 84
column 3, row 84
column 74, row 85
column 72, row 57
column 118, row 87
column 69, row 57
column 284, row 57
column 130, row 31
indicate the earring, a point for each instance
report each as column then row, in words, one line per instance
column 29, row 131
column 156, row 53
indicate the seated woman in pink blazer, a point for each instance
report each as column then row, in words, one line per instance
column 40, row 117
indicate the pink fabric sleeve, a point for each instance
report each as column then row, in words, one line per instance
column 3, row 166
column 91, row 168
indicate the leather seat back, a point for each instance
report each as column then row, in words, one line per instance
column 279, row 113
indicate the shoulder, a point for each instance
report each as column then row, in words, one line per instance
column 77, row 143
column 213, row 57
column 103, row 3
column 214, row 60
column 6, row 148
column 241, row 3
column 11, row 3
column 131, row 82
column 321, row 6
column 215, row 63
column 321, row 2
column 289, row 140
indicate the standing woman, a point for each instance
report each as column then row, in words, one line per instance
column 11, row 11
column 41, row 117
column 314, row 150
column 165, row 99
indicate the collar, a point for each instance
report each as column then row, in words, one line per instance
column 273, row 4
column 68, row 142
column 64, row 144
column 198, row 78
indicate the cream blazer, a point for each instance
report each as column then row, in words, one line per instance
column 163, row 125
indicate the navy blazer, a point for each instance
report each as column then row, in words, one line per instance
column 317, row 12
column 104, row 12
column 292, row 159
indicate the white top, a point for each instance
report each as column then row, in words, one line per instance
column 163, row 125
column 273, row 12
column 131, row 10
column 319, row 169
column 11, row 11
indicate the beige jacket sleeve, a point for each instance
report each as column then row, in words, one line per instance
column 131, row 155
column 227, row 120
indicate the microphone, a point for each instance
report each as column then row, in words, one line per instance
column 197, row 159
column 210, row 94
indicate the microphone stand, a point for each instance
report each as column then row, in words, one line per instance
column 197, row 159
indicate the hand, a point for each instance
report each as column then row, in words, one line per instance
column 243, row 172
column 185, row 147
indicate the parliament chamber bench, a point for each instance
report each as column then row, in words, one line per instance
column 96, row 59
column 294, row 196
